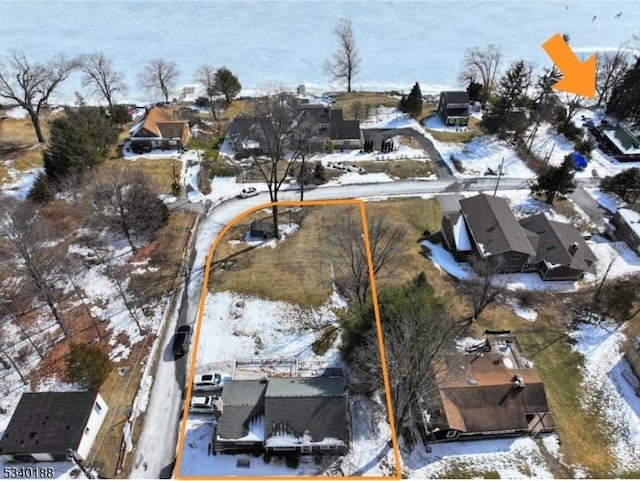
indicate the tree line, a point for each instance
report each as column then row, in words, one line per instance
column 30, row 84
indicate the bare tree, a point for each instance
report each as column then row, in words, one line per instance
column 344, row 64
column 611, row 69
column 125, row 201
column 159, row 74
column 27, row 251
column 206, row 75
column 481, row 65
column 573, row 104
column 275, row 116
column 386, row 240
column 31, row 84
column 101, row 76
column 483, row 289
column 303, row 135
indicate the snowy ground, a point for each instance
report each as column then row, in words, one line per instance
column 515, row 458
column 241, row 328
column 607, row 390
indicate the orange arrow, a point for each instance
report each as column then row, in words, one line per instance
column 577, row 77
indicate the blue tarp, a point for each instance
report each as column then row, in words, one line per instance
column 579, row 161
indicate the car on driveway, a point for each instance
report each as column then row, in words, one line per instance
column 181, row 341
column 210, row 381
column 204, row 404
column 248, row 192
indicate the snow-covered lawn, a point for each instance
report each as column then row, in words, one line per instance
column 607, row 390
column 514, row 458
column 21, row 184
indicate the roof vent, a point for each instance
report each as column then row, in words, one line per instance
column 472, row 381
column 518, row 381
column 573, row 248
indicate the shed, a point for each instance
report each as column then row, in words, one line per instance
column 46, row 425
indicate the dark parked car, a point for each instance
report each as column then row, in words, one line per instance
column 181, row 341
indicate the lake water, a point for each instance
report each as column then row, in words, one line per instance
column 399, row 42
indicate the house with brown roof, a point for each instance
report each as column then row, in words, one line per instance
column 489, row 391
column 625, row 226
column 485, row 227
column 158, row 130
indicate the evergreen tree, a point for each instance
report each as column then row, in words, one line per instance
column 626, row 184
column 79, row 140
column 319, row 174
column 88, row 366
column 474, row 89
column 555, row 180
column 226, row 83
column 402, row 105
column 625, row 96
column 414, row 101
column 119, row 115
column 505, row 117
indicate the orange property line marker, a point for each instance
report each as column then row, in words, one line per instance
column 383, row 359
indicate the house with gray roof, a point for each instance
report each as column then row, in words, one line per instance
column 561, row 252
column 282, row 415
column 485, row 227
column 625, row 226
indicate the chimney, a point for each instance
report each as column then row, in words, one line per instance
column 518, row 381
column 573, row 248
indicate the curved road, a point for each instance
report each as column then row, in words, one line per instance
column 155, row 451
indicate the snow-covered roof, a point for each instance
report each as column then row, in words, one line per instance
column 461, row 236
column 632, row 218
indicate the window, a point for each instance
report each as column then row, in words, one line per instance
column 305, row 448
column 452, row 434
column 634, row 235
column 97, row 408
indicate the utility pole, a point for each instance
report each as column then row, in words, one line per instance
column 495, row 191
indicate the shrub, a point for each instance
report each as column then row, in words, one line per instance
column 88, row 366
column 201, row 102
column 266, row 458
column 584, row 146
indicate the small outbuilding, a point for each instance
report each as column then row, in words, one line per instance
column 46, row 425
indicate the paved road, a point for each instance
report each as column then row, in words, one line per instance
column 587, row 203
column 155, row 451
column 379, row 135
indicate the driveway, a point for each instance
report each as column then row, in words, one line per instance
column 379, row 135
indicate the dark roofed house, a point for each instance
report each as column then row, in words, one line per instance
column 453, row 108
column 279, row 415
column 485, row 227
column 345, row 134
column 490, row 394
column 306, row 415
column 241, row 426
column 494, row 231
column 561, row 252
column 159, row 131
column 45, row 426
column 625, row 226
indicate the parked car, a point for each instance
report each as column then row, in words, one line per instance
column 204, row 404
column 248, row 192
column 181, row 341
column 209, row 381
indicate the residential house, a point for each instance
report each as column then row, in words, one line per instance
column 345, row 134
column 282, row 415
column 245, row 135
column 46, row 425
column 618, row 141
column 453, row 107
column 158, row 130
column 484, row 227
column 561, row 252
column 489, row 391
column 625, row 226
